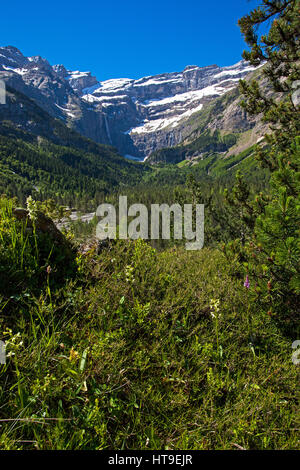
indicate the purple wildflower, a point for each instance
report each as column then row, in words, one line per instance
column 247, row 283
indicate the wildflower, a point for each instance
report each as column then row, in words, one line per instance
column 48, row 270
column 247, row 283
column 13, row 342
column 74, row 356
column 84, row 386
column 32, row 208
column 129, row 274
column 214, row 308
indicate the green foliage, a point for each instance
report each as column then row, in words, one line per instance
column 271, row 254
column 68, row 175
column 206, row 142
column 144, row 350
column 25, row 255
column 280, row 48
column 277, row 238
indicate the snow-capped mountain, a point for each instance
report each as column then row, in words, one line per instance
column 54, row 90
column 136, row 116
column 141, row 108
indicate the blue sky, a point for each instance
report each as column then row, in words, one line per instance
column 133, row 38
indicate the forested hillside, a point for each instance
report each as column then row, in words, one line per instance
column 41, row 156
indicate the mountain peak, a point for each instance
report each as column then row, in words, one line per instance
column 12, row 49
column 138, row 116
column 189, row 67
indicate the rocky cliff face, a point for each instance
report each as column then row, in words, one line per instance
column 147, row 114
column 52, row 91
column 136, row 116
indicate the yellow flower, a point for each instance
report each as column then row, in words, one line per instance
column 74, row 355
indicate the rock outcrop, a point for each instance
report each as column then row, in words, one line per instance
column 42, row 224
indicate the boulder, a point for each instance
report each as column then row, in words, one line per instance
column 43, row 223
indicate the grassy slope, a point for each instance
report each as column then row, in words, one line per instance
column 121, row 351
column 207, row 142
column 209, row 132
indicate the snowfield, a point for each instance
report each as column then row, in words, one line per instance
column 163, row 101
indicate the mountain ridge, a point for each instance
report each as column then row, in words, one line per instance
column 138, row 117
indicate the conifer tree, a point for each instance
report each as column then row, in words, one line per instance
column 271, row 254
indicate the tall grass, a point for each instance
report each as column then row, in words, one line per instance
column 137, row 349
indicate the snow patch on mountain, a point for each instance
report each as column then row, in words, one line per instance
column 158, row 124
column 76, row 74
column 188, row 96
column 90, row 98
column 137, row 116
column 16, row 70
